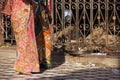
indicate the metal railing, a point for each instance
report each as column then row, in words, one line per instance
column 8, row 31
column 82, row 25
column 87, row 24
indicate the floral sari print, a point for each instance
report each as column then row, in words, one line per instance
column 43, row 32
column 22, row 20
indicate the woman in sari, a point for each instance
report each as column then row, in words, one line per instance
column 43, row 32
column 22, row 19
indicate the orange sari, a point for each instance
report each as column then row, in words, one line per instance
column 43, row 33
column 22, row 20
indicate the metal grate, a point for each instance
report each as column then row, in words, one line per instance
column 82, row 25
column 8, row 35
column 87, row 25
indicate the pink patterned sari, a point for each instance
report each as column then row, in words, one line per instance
column 22, row 20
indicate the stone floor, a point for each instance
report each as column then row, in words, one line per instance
column 64, row 71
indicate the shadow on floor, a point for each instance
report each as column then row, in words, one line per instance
column 57, row 58
column 82, row 74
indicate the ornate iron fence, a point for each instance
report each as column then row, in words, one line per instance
column 87, row 24
column 83, row 25
column 8, row 34
column 6, row 24
column 8, row 31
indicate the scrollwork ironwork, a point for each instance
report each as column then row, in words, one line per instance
column 90, row 17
